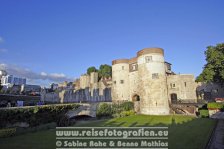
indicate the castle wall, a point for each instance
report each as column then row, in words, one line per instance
column 84, row 81
column 133, row 78
column 87, row 89
column 133, row 84
column 81, row 95
column 50, row 97
column 93, row 77
column 183, row 86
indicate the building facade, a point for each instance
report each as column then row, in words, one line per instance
column 149, row 81
column 10, row 80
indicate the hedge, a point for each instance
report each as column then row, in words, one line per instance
column 34, row 116
column 115, row 109
column 8, row 132
column 204, row 113
column 215, row 105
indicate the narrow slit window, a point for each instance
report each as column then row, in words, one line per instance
column 148, row 59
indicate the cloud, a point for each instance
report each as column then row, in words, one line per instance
column 30, row 75
column 3, row 50
column 1, row 40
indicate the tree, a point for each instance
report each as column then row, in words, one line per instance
column 91, row 69
column 214, row 69
column 105, row 71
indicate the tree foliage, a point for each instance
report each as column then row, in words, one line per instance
column 214, row 69
column 91, row 69
column 105, row 71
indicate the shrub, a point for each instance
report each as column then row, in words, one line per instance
column 204, row 113
column 127, row 106
column 215, row 105
column 7, row 132
column 125, row 113
column 34, row 115
column 115, row 109
column 104, row 110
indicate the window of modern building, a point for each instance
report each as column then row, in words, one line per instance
column 122, row 81
column 148, row 59
column 155, row 76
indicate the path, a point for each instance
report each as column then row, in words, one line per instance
column 217, row 140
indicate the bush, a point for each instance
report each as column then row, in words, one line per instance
column 7, row 132
column 34, row 116
column 115, row 109
column 104, row 110
column 124, row 113
column 127, row 106
column 204, row 113
column 215, row 105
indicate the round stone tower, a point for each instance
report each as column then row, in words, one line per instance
column 152, row 86
column 120, row 87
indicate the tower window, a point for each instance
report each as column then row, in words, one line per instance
column 122, row 67
column 148, row 59
column 122, row 81
column 134, row 67
column 155, row 76
column 185, row 84
column 114, row 82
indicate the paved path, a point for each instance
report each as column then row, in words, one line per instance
column 218, row 115
column 217, row 141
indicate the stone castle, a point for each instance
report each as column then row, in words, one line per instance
column 146, row 79
column 149, row 81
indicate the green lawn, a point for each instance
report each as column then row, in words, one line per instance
column 184, row 132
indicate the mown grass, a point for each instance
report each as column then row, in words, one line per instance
column 185, row 132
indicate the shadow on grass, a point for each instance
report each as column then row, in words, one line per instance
column 185, row 132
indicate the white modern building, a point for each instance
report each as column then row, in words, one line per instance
column 10, row 80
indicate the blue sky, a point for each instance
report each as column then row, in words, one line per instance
column 55, row 40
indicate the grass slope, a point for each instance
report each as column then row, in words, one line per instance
column 185, row 132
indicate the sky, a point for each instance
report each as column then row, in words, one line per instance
column 56, row 40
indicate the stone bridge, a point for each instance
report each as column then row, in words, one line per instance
column 88, row 109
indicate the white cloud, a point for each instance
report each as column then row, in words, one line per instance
column 3, row 50
column 43, row 74
column 57, row 75
column 26, row 73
